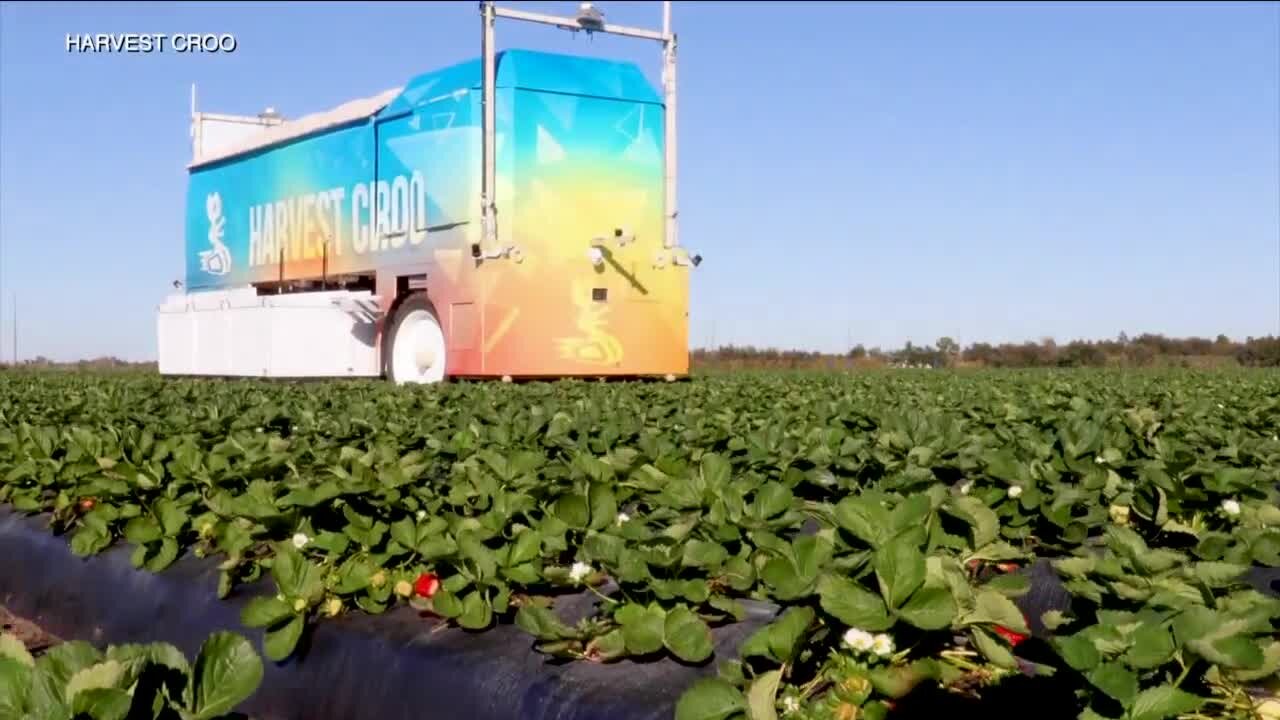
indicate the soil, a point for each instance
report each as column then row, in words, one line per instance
column 37, row 641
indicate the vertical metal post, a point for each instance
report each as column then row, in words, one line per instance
column 487, row 192
column 671, row 238
column 197, row 144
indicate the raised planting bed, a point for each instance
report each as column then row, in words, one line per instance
column 401, row 664
column 1098, row 545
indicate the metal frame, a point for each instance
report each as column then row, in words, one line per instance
column 590, row 21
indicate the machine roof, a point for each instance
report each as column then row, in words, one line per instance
column 524, row 69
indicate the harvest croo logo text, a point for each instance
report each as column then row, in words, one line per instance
column 151, row 42
column 370, row 218
column 218, row 260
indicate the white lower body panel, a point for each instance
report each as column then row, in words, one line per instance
column 297, row 335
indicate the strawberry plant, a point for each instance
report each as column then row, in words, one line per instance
column 76, row 681
column 893, row 521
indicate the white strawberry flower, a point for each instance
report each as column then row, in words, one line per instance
column 300, row 540
column 859, row 640
column 623, row 517
column 1100, row 460
column 1015, row 491
column 882, row 645
column 966, row 487
column 579, row 572
column 790, row 705
column 422, row 515
column 1231, row 507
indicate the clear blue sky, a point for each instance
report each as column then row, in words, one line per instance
column 879, row 172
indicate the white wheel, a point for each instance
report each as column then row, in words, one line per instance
column 417, row 347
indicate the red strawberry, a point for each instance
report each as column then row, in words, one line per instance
column 1007, row 567
column 87, row 504
column 1013, row 637
column 426, row 585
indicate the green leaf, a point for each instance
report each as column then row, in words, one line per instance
column 405, row 532
column 13, row 648
column 166, row 551
column 528, row 546
column 993, row 650
column 1270, row 665
column 900, row 570
column 773, row 498
column 265, row 611
column 865, row 518
column 1054, row 619
column 1011, row 585
column 606, row 647
column 1219, row 574
column 172, row 517
column 89, row 540
column 604, row 506
column 729, row 606
column 55, row 668
column 1079, row 652
column 716, row 471
column 279, row 642
column 1162, row 702
column 102, row 704
column 704, row 554
column 710, row 699
column 910, row 514
column 446, row 603
column 929, row 609
column 572, row 511
column 471, row 548
column 288, row 568
column 476, row 612
column 226, row 672
column 849, row 603
column 993, row 607
column 983, row 520
column 642, row 627
column 543, row 623
column 1152, row 647
column 102, row 675
column 142, row 530
column 434, row 548
column 1232, row 651
column 762, row 697
column 897, row 681
column 16, row 683
column 687, row 636
column 787, row 633
column 1116, row 681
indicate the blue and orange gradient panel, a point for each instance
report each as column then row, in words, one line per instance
column 579, row 158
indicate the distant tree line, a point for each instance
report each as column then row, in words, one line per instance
column 1145, row 350
column 41, row 362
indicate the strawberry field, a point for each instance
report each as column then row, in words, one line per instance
column 902, row 528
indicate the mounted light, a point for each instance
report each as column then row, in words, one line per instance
column 596, row 256
column 589, row 17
